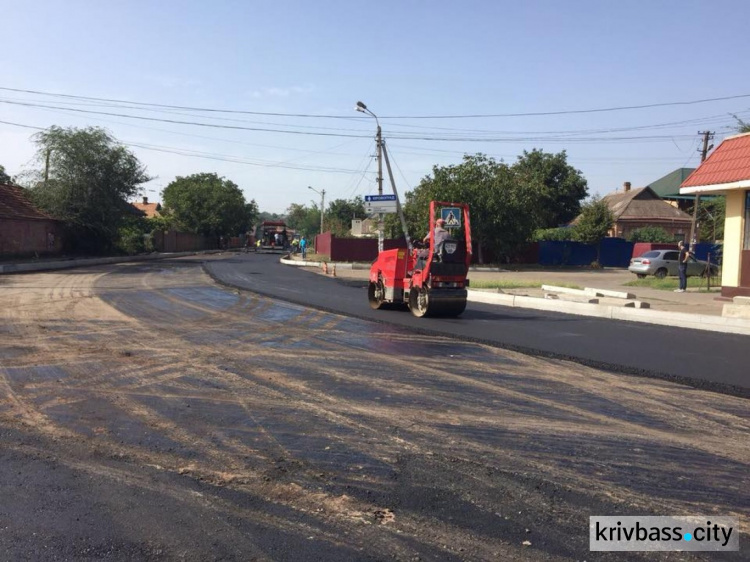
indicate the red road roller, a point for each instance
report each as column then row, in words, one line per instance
column 431, row 280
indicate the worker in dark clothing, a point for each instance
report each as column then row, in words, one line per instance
column 683, row 258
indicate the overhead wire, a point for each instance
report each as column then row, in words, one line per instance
column 458, row 116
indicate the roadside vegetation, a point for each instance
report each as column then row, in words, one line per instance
column 672, row 283
column 86, row 178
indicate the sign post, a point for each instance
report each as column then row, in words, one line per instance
column 377, row 204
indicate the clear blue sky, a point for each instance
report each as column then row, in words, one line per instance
column 404, row 59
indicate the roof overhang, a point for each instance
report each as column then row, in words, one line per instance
column 719, row 187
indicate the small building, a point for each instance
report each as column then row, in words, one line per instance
column 727, row 172
column 151, row 210
column 642, row 207
column 364, row 228
column 24, row 229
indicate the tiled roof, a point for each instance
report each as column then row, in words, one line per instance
column 149, row 209
column 15, row 205
column 730, row 162
column 642, row 204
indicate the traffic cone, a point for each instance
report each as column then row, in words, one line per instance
column 325, row 268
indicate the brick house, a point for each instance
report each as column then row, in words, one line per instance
column 642, row 207
column 24, row 229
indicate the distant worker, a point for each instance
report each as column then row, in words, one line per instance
column 303, row 247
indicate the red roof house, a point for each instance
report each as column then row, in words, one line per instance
column 151, row 210
column 727, row 172
column 24, row 229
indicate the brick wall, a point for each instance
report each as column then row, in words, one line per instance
column 30, row 237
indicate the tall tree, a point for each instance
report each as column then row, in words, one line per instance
column 304, row 219
column 593, row 224
column 85, row 177
column 207, row 204
column 559, row 187
column 340, row 212
column 501, row 210
column 4, row 178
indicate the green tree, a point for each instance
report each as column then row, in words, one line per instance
column 650, row 234
column 207, row 204
column 252, row 216
column 266, row 216
column 711, row 215
column 742, row 126
column 4, row 178
column 593, row 224
column 86, row 184
column 559, row 188
column 339, row 215
column 303, row 219
column 501, row 209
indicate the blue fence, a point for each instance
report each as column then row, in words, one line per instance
column 615, row 252
column 702, row 249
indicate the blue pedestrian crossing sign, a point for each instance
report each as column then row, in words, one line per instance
column 451, row 216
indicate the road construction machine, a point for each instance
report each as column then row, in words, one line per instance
column 274, row 237
column 429, row 280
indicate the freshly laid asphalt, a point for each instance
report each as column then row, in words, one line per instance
column 708, row 360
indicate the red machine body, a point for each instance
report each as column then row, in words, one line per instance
column 431, row 281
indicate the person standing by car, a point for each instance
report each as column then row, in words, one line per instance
column 303, row 247
column 683, row 258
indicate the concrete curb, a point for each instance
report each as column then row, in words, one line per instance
column 84, row 262
column 665, row 318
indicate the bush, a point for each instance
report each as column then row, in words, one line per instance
column 651, row 234
column 131, row 240
column 553, row 234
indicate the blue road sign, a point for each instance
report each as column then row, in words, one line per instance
column 380, row 197
column 451, row 216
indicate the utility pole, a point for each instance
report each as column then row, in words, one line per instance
column 322, row 194
column 379, row 140
column 381, row 225
column 322, row 208
column 707, row 136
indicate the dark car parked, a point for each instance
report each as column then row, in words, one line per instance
column 661, row 263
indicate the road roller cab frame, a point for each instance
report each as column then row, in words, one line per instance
column 429, row 281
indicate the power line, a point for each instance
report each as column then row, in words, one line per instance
column 178, row 122
column 308, row 115
column 214, row 156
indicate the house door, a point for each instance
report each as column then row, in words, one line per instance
column 745, row 256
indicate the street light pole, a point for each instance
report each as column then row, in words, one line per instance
column 379, row 142
column 322, row 194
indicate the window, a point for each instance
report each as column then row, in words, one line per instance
column 650, row 255
column 672, row 256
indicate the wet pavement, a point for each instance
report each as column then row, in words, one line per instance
column 148, row 413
